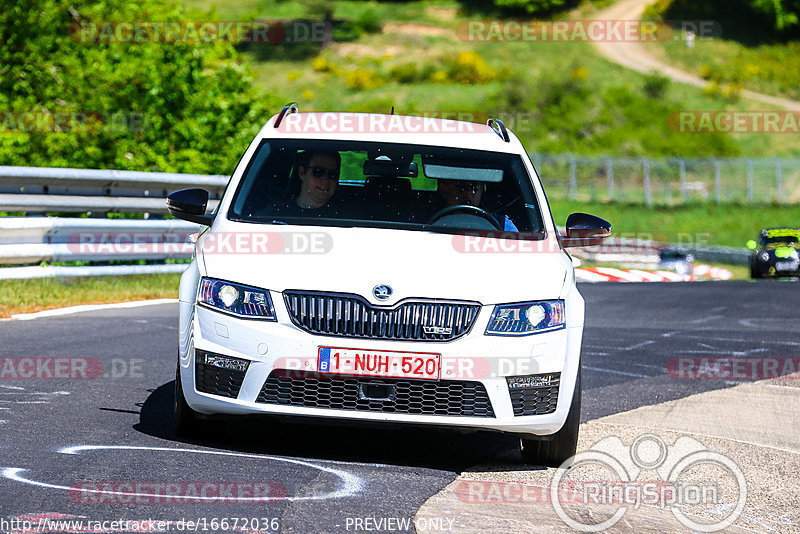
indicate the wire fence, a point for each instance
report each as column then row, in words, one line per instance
column 670, row 181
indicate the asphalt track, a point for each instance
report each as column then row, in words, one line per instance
column 332, row 476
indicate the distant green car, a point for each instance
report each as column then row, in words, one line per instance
column 776, row 253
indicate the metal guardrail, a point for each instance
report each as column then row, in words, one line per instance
column 56, row 271
column 40, row 189
column 26, row 241
column 645, row 253
column 53, row 239
column 34, row 239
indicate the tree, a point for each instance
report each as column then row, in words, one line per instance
column 167, row 106
column 784, row 13
column 539, row 8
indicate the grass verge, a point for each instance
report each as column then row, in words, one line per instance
column 25, row 296
column 710, row 224
column 556, row 96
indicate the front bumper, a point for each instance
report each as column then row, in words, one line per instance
column 776, row 267
column 481, row 364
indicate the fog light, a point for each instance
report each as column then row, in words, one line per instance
column 223, row 362
column 532, row 381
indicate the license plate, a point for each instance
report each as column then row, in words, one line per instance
column 785, row 266
column 388, row 363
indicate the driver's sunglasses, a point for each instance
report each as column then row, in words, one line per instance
column 319, row 172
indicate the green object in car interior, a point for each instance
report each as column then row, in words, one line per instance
column 783, row 252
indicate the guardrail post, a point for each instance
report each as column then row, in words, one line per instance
column 749, row 180
column 717, row 181
column 778, row 179
column 610, row 178
column 647, row 193
column 573, row 179
column 682, row 171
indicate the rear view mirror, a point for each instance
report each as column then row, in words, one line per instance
column 190, row 205
column 387, row 167
column 584, row 230
column 751, row 245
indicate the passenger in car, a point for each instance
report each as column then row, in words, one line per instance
column 469, row 193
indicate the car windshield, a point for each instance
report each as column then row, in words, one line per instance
column 371, row 184
column 787, row 237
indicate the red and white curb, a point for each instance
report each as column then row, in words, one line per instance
column 716, row 273
column 610, row 274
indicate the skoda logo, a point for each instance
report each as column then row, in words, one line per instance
column 382, row 292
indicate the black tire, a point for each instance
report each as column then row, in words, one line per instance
column 754, row 272
column 552, row 451
column 185, row 423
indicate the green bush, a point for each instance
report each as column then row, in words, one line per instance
column 655, row 85
column 194, row 103
column 518, row 7
column 405, row 73
column 469, row 68
column 570, row 114
column 362, row 80
column 747, row 21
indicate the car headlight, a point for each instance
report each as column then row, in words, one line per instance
column 236, row 299
column 765, row 256
column 526, row 318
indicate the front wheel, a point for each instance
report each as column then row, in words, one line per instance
column 552, row 451
column 185, row 422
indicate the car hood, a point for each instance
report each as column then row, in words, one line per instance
column 412, row 263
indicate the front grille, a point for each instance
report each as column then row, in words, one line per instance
column 537, row 400
column 397, row 395
column 352, row 316
column 218, row 381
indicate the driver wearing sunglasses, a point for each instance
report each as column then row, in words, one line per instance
column 319, row 176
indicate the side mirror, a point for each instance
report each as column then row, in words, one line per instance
column 190, row 205
column 584, row 230
column 751, row 245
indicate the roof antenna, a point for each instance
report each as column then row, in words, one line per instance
column 392, row 113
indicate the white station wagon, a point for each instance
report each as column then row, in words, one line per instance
column 384, row 268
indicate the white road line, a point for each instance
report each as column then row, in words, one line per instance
column 705, row 319
column 353, row 484
column 648, row 366
column 623, row 373
column 723, row 351
column 88, row 307
column 350, row 484
column 638, row 345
